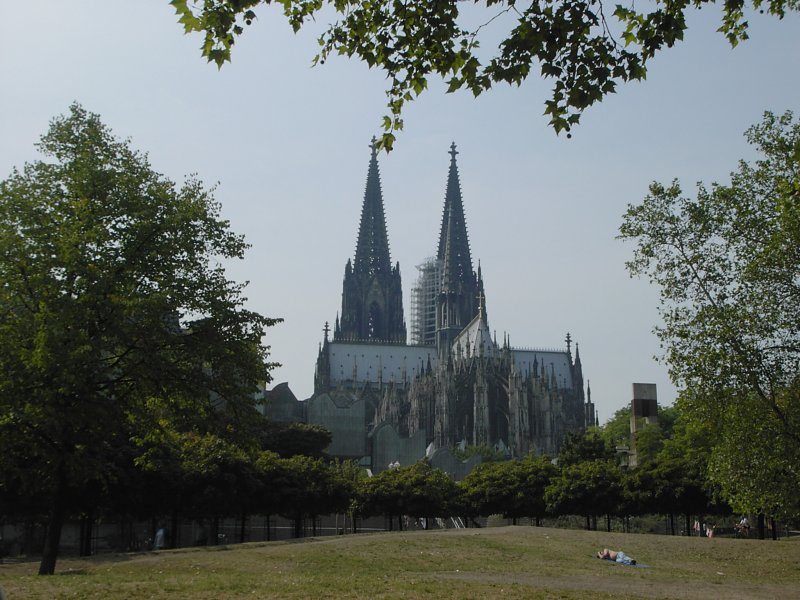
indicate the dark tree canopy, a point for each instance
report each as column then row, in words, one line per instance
column 293, row 439
column 590, row 488
column 585, row 47
column 418, row 490
column 512, row 488
column 115, row 318
column 582, row 445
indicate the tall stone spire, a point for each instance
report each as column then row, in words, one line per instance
column 453, row 234
column 372, row 295
column 458, row 299
column 450, row 273
column 372, row 248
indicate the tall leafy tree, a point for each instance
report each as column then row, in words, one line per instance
column 112, row 300
column 585, row 47
column 727, row 264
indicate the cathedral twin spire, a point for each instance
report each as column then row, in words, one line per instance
column 372, row 305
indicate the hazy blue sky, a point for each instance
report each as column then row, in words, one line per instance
column 288, row 145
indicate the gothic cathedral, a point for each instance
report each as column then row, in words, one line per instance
column 389, row 400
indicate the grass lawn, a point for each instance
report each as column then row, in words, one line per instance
column 496, row 562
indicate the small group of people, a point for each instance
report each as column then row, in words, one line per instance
column 703, row 529
column 742, row 528
column 615, row 556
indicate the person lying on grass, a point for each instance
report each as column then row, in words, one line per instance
column 616, row 556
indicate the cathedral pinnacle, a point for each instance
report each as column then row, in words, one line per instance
column 372, row 247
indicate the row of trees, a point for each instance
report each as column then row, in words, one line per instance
column 207, row 478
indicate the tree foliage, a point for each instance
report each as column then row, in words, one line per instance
column 727, row 264
column 312, row 488
column 293, row 439
column 589, row 488
column 512, row 488
column 617, row 430
column 584, row 445
column 487, row 452
column 585, row 47
column 493, row 489
column 114, row 314
column 417, row 490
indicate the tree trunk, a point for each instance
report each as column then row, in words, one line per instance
column 588, row 523
column 608, row 522
column 85, row 541
column 774, row 529
column 298, row 526
column 52, row 536
column 214, row 533
column 242, row 528
column 30, row 543
column 761, row 534
column 126, row 535
column 174, row 538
